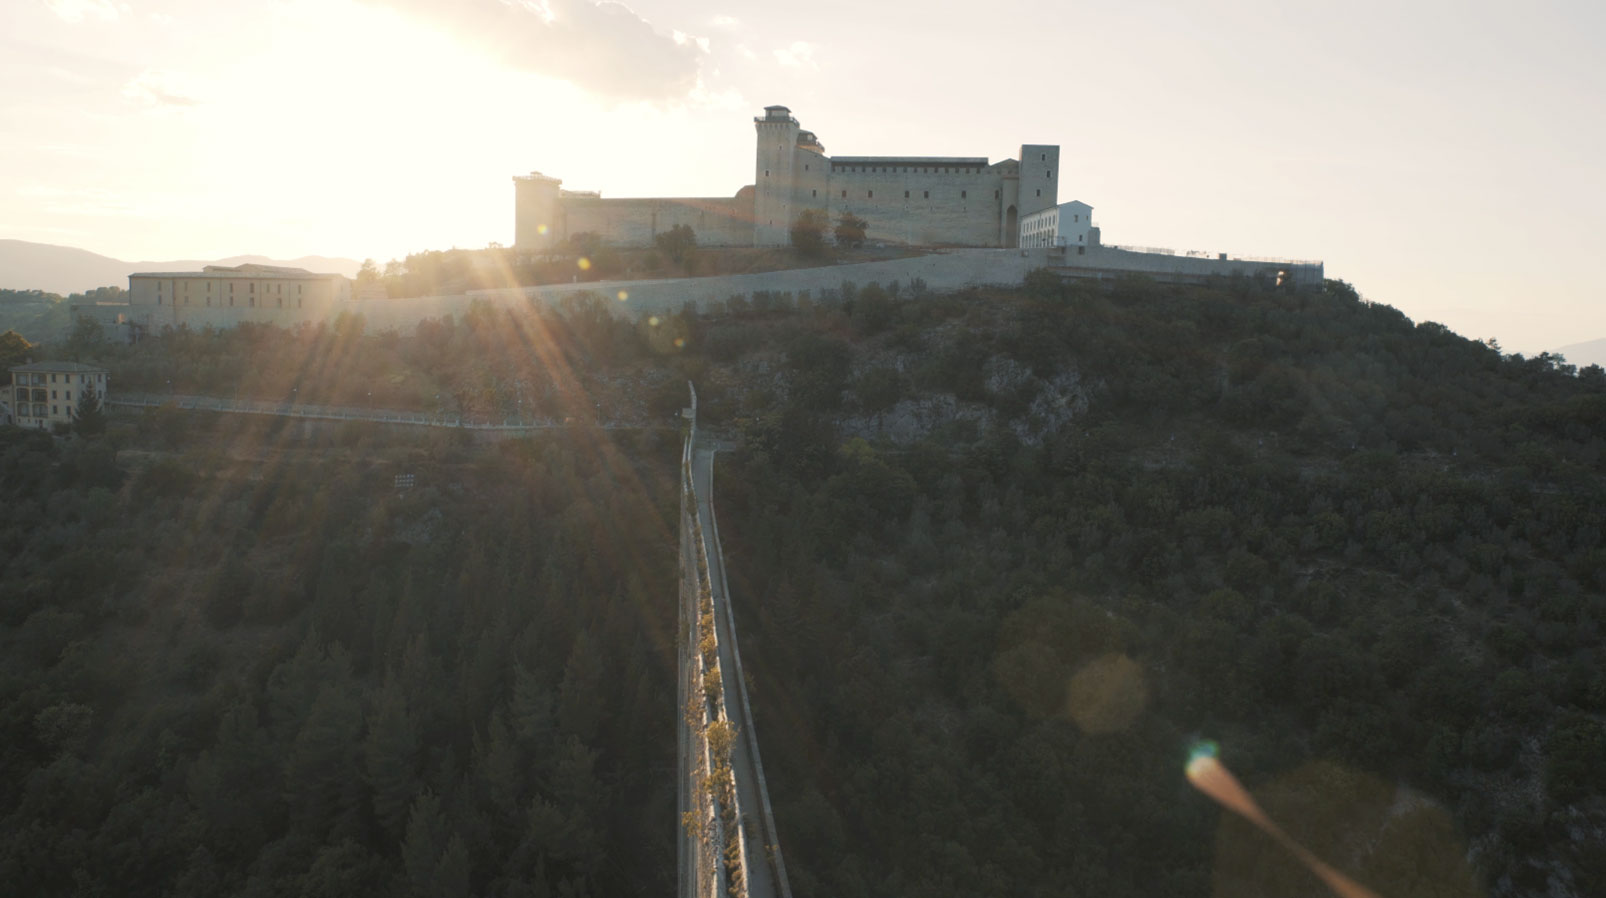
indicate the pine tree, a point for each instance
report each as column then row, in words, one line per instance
column 390, row 758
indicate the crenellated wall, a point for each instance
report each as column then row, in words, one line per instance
column 635, row 222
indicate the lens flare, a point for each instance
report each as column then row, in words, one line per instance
column 540, row 229
column 584, row 263
column 1207, row 774
column 653, row 321
column 623, row 295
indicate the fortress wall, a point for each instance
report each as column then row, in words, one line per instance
column 962, row 209
column 941, row 271
column 1103, row 260
column 634, row 222
column 811, row 187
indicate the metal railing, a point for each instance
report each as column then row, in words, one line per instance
column 1201, row 254
column 357, row 413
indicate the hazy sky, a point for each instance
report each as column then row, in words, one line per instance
column 1444, row 157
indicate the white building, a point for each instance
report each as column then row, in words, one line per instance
column 1068, row 224
column 47, row 394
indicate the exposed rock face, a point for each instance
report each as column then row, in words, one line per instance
column 1051, row 403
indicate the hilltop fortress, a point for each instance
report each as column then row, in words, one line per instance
column 915, row 200
column 981, row 222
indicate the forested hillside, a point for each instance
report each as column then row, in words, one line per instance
column 999, row 560
column 1363, row 555
column 240, row 661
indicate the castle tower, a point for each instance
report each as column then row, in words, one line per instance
column 537, row 219
column 773, row 176
column 1039, row 177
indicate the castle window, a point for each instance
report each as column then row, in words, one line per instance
column 844, row 194
column 1039, row 191
column 906, row 194
column 281, row 302
column 995, row 194
column 814, row 193
column 766, row 172
column 1045, row 157
column 869, row 194
column 805, row 166
column 961, row 194
column 925, row 194
column 253, row 302
column 1051, row 173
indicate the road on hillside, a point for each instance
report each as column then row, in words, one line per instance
column 761, row 878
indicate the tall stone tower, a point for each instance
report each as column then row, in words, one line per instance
column 537, row 219
column 773, row 176
column 1039, row 177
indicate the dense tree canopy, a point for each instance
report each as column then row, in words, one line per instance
column 999, row 559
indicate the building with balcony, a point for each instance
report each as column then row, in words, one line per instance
column 44, row 395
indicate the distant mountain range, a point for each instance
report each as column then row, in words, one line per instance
column 1592, row 352
column 67, row 269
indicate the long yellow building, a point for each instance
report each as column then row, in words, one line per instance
column 224, row 295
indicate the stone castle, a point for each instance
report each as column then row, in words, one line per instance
column 914, row 200
column 983, row 223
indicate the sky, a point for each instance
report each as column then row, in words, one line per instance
column 1443, row 157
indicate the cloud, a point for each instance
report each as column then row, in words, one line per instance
column 729, row 23
column 799, row 55
column 602, row 47
column 76, row 11
column 157, row 88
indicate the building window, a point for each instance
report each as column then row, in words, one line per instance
column 158, row 299
column 253, row 302
column 995, row 194
column 53, row 394
column 814, row 193
column 253, row 288
column 906, row 194
column 298, row 302
column 961, row 194
column 1039, row 191
column 1045, row 157
column 844, row 194
column 869, row 194
column 766, row 172
column 925, row 194
column 281, row 302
